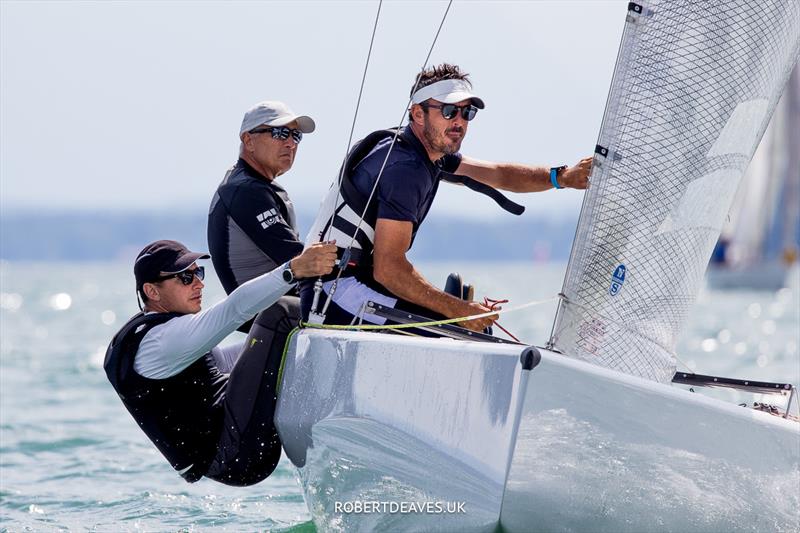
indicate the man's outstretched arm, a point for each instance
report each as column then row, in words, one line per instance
column 169, row 348
column 392, row 270
column 524, row 178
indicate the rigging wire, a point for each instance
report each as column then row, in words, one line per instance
column 397, row 131
column 355, row 115
column 343, row 262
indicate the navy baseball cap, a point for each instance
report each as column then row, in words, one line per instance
column 162, row 258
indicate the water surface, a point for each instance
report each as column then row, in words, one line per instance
column 73, row 459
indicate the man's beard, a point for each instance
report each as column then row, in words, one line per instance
column 437, row 145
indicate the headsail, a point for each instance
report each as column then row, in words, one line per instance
column 693, row 90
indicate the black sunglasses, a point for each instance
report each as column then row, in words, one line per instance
column 187, row 276
column 449, row 111
column 281, row 132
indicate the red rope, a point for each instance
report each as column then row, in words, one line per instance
column 491, row 304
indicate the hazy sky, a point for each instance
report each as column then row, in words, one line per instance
column 138, row 104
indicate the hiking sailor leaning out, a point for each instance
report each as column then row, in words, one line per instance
column 209, row 410
column 425, row 152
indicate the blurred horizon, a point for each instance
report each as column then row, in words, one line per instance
column 106, row 234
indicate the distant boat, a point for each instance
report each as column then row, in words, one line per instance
column 759, row 247
column 591, row 433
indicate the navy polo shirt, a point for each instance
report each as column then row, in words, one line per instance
column 409, row 181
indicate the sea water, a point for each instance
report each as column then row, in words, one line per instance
column 71, row 457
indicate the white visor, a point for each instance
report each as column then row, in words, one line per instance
column 447, row 92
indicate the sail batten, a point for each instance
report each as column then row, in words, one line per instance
column 694, row 87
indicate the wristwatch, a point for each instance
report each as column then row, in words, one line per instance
column 288, row 275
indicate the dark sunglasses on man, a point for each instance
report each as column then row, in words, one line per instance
column 187, row 276
column 449, row 111
column 280, row 132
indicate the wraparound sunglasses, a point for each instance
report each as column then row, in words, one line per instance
column 449, row 111
column 281, row 133
column 187, row 276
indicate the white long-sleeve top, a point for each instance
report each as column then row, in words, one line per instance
column 169, row 348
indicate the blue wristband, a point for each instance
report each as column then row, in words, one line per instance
column 554, row 176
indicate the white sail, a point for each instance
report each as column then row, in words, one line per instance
column 693, row 90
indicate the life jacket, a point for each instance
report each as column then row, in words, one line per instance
column 181, row 414
column 343, row 206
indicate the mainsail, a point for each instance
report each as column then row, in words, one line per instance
column 693, row 89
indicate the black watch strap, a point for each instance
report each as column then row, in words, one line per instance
column 288, row 275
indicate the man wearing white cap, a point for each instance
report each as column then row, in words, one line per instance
column 407, row 167
column 251, row 222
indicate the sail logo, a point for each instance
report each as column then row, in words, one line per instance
column 617, row 279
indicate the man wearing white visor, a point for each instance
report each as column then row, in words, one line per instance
column 424, row 152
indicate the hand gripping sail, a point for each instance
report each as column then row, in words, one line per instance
column 694, row 87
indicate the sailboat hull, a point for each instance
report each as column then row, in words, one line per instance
column 443, row 435
column 769, row 276
column 375, row 418
column 603, row 451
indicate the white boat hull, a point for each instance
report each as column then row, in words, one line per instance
column 764, row 277
column 602, row 451
column 563, row 446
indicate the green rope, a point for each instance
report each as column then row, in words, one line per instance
column 385, row 326
column 368, row 327
column 283, row 359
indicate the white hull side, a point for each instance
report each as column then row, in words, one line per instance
column 602, row 451
column 372, row 417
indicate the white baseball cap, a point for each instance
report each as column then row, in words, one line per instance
column 447, row 92
column 274, row 113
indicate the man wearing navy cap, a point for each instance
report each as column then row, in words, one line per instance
column 410, row 165
column 208, row 410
